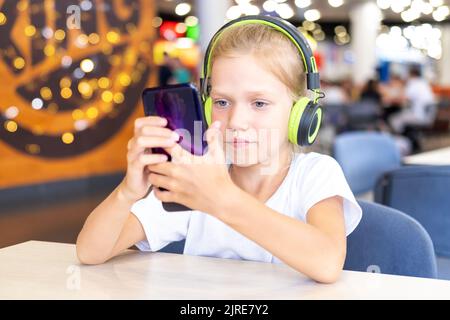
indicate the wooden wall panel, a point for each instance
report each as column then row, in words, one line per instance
column 39, row 54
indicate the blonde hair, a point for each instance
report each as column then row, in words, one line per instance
column 272, row 49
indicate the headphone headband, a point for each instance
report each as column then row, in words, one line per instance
column 309, row 62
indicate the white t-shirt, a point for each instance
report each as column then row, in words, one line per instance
column 419, row 93
column 311, row 178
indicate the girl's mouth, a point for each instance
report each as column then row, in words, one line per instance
column 240, row 143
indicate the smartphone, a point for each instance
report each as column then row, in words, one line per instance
column 180, row 104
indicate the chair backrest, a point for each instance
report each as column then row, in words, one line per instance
column 364, row 157
column 334, row 115
column 390, row 242
column 174, row 247
column 423, row 193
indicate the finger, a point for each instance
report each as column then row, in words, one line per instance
column 149, row 121
column 215, row 139
column 178, row 154
column 147, row 159
column 153, row 131
column 143, row 142
column 162, row 181
column 164, row 168
column 164, row 196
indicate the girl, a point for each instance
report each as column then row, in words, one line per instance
column 298, row 212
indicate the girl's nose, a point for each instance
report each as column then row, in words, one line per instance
column 238, row 118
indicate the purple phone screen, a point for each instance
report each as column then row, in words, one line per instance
column 180, row 105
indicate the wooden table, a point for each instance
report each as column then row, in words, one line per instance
column 46, row 270
column 435, row 157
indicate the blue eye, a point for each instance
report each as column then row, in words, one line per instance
column 260, row 104
column 221, row 103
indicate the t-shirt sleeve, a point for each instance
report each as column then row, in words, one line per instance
column 161, row 227
column 325, row 179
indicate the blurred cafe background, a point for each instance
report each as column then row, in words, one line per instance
column 72, row 73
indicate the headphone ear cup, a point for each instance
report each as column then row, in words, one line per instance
column 295, row 118
column 310, row 124
column 304, row 122
column 207, row 105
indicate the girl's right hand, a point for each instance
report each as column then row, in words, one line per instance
column 149, row 132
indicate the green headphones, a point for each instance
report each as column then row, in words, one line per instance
column 306, row 114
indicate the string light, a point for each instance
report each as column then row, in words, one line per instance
column 77, row 114
column 191, row 21
column 66, row 93
column 80, row 125
column 78, row 73
column 30, row 30
column 312, row 15
column 302, row 3
column 60, row 34
column 335, row 3
column 66, row 61
column 10, row 126
column 384, row 4
column 49, row 50
column 37, row 103
column 19, row 63
column 87, row 65
column 22, row 5
column 92, row 113
column 67, row 138
column 94, row 38
column 182, row 9
column 285, row 11
column 86, row 5
column 103, row 82
column 82, row 41
column 107, row 96
column 65, row 82
column 47, row 32
column 124, row 79
column 113, row 37
column 157, row 22
column 3, row 19
column 85, row 89
column 118, row 97
column 11, row 112
column 46, row 93
column 180, row 27
column 233, row 12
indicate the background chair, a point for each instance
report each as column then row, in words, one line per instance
column 364, row 157
column 174, row 247
column 423, row 193
column 363, row 115
column 417, row 132
column 390, row 242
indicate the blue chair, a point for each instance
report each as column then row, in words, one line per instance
column 363, row 115
column 174, row 247
column 364, row 157
column 390, row 242
column 422, row 192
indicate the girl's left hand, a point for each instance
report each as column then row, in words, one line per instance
column 198, row 182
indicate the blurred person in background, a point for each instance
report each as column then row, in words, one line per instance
column 334, row 93
column 393, row 96
column 371, row 92
column 419, row 97
column 180, row 73
column 165, row 70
